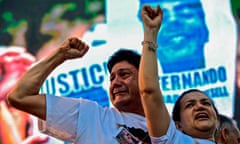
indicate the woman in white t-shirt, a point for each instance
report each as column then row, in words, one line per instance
column 195, row 117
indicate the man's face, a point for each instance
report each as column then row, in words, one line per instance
column 197, row 115
column 183, row 30
column 182, row 35
column 124, row 93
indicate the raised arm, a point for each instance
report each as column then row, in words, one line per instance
column 25, row 95
column 156, row 113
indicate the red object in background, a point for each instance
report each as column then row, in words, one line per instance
column 14, row 61
column 15, row 126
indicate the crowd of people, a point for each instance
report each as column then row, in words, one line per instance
column 138, row 105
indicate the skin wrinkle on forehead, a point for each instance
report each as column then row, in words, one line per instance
column 194, row 100
column 194, row 96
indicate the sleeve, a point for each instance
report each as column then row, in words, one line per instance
column 173, row 136
column 165, row 138
column 62, row 118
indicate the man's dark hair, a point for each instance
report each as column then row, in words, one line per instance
column 224, row 121
column 176, row 108
column 130, row 56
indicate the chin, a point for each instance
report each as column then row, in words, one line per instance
column 121, row 104
column 206, row 127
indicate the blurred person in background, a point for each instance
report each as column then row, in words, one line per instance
column 16, row 126
column 227, row 132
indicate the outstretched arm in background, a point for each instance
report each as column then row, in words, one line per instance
column 25, row 95
column 156, row 113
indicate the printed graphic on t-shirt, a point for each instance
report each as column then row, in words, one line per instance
column 126, row 135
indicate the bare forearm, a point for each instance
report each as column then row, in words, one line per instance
column 155, row 110
column 148, row 77
column 152, row 100
column 148, row 65
column 25, row 95
column 32, row 80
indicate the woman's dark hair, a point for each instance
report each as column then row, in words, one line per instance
column 176, row 108
column 130, row 56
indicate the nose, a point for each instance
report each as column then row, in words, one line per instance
column 116, row 81
column 199, row 106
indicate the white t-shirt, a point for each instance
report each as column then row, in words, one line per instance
column 174, row 136
column 82, row 121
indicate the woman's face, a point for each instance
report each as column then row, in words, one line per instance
column 198, row 117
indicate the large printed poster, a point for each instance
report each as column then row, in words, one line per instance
column 197, row 49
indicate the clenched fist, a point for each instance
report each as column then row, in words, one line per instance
column 73, row 48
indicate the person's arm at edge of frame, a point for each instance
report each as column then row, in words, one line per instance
column 157, row 116
column 25, row 95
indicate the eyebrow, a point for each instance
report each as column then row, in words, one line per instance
column 121, row 69
column 193, row 100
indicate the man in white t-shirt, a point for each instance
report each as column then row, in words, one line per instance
column 80, row 120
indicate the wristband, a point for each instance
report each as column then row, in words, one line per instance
column 151, row 45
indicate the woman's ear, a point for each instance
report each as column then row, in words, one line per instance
column 178, row 125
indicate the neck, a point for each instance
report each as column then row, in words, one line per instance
column 203, row 135
column 135, row 111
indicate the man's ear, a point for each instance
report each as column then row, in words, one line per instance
column 225, row 133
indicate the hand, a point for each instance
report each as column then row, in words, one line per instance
column 73, row 48
column 152, row 18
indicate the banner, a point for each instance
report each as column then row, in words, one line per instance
column 197, row 45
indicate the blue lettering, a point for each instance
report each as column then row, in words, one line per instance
column 93, row 72
column 213, row 75
column 105, row 68
column 197, row 79
column 187, row 81
column 85, row 77
column 222, row 74
column 193, row 79
column 170, row 98
column 61, row 79
column 217, row 92
column 205, row 78
column 49, row 86
column 164, row 83
column 75, row 78
column 175, row 82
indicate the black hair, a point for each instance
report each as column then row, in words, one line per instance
column 223, row 122
column 176, row 108
column 130, row 56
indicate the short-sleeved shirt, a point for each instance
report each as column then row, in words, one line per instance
column 174, row 136
column 83, row 121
